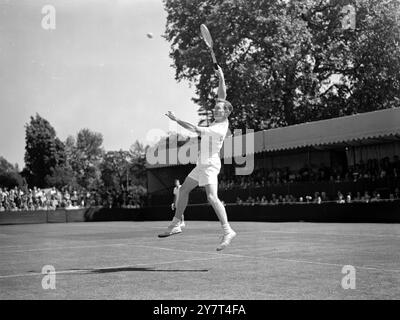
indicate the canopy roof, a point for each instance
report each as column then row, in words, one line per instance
column 348, row 129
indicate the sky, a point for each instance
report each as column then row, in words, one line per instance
column 97, row 69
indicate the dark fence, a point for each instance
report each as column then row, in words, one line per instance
column 382, row 211
column 55, row 216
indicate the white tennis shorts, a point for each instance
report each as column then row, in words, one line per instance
column 206, row 173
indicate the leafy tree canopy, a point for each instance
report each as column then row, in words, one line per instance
column 289, row 61
column 43, row 151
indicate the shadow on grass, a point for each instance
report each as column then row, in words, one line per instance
column 126, row 269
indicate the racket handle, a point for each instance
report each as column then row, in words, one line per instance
column 214, row 59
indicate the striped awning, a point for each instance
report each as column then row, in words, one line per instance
column 377, row 124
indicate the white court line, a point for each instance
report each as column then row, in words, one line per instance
column 264, row 257
column 255, row 257
column 311, row 234
column 130, row 244
column 282, row 259
column 140, row 227
column 202, row 236
column 242, row 233
column 107, row 268
column 194, row 237
column 216, row 256
column 325, row 234
column 76, row 247
column 336, row 264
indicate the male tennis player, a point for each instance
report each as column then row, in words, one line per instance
column 175, row 202
column 208, row 165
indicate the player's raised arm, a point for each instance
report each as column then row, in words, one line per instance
column 186, row 125
column 221, row 85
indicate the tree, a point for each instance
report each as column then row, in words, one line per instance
column 137, row 154
column 288, row 61
column 84, row 156
column 43, row 151
column 115, row 169
column 9, row 175
column 89, row 144
column 61, row 176
column 137, row 191
column 125, row 172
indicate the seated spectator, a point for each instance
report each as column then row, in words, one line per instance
column 397, row 193
column 357, row 198
column 324, row 198
column 375, row 196
column 340, row 198
column 13, row 206
column 317, row 198
column 264, row 200
column 250, row 200
column 274, row 199
column 366, row 198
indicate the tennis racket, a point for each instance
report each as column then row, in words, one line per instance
column 209, row 42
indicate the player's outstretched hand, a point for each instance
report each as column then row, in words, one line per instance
column 171, row 115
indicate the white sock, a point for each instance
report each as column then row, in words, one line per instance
column 227, row 228
column 175, row 221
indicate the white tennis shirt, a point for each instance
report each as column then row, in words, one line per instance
column 212, row 139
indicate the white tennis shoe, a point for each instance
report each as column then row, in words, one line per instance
column 171, row 230
column 226, row 240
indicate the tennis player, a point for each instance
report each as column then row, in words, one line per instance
column 175, row 202
column 208, row 165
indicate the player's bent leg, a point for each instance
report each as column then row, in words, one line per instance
column 212, row 197
column 188, row 185
column 228, row 232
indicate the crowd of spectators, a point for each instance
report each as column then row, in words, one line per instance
column 319, row 197
column 25, row 199
column 371, row 170
column 16, row 199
